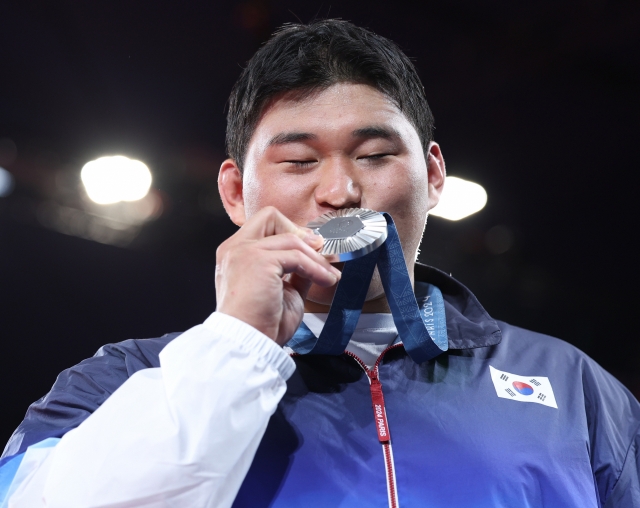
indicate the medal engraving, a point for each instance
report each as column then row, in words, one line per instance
column 350, row 233
column 341, row 228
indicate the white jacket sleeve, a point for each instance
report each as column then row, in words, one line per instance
column 183, row 434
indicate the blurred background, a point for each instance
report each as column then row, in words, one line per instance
column 537, row 102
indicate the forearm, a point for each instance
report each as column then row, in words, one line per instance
column 185, row 433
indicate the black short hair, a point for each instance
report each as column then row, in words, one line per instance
column 312, row 57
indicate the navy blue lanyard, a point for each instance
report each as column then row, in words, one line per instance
column 421, row 327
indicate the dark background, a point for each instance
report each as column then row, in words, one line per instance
column 538, row 102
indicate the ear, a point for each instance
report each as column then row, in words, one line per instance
column 231, row 191
column 436, row 173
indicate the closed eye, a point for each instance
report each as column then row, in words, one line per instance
column 301, row 163
column 376, row 158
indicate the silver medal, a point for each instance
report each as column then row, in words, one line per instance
column 350, row 233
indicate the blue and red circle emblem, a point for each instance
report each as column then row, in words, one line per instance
column 522, row 388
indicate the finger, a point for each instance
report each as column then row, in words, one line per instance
column 270, row 221
column 300, row 284
column 289, row 241
column 295, row 262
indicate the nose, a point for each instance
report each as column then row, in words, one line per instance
column 338, row 185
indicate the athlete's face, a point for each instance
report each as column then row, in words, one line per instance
column 346, row 146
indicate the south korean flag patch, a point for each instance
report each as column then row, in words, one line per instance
column 523, row 388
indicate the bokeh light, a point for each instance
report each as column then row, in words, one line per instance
column 460, row 198
column 113, row 179
column 6, row 183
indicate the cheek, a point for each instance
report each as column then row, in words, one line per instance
column 418, row 192
column 406, row 195
column 252, row 194
column 407, row 202
column 287, row 195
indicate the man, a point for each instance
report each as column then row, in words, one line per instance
column 326, row 117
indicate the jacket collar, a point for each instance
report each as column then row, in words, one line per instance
column 468, row 323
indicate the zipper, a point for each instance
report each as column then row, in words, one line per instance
column 382, row 426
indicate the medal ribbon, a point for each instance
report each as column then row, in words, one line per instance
column 422, row 328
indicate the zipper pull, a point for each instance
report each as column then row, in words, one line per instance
column 379, row 412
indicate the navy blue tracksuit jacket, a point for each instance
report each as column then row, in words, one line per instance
column 505, row 418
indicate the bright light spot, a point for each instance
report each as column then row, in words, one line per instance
column 112, row 179
column 460, row 198
column 6, row 183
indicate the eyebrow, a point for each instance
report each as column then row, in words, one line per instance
column 376, row 131
column 291, row 137
column 369, row 132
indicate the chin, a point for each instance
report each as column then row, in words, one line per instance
column 324, row 296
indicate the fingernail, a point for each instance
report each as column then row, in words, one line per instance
column 313, row 238
column 334, row 277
